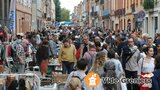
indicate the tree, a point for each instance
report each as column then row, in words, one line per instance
column 65, row 13
column 149, row 4
column 58, row 10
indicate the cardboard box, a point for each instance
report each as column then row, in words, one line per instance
column 60, row 78
column 2, row 68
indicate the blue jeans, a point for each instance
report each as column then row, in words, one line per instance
column 67, row 67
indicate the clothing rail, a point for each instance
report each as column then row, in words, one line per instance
column 35, row 77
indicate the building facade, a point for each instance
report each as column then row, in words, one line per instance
column 4, row 9
column 119, row 15
column 43, row 14
column 53, row 11
column 152, row 20
column 23, row 16
column 48, row 13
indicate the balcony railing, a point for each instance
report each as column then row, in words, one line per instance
column 105, row 13
column 120, row 12
column 102, row 2
column 96, row 0
column 94, row 14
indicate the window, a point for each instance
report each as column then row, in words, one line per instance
column 136, row 2
column 141, row 1
column 103, row 7
column 21, row 1
column 130, row 2
column 102, row 2
column 25, row 2
column 5, row 9
column 127, row 3
column 29, row 2
column 156, row 23
column 1, row 9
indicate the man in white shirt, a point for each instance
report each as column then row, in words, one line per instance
column 130, row 58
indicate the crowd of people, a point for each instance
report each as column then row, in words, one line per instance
column 108, row 53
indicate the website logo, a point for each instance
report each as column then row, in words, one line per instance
column 92, row 80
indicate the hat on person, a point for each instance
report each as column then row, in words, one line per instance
column 76, row 36
column 21, row 34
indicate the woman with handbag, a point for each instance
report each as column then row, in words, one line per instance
column 42, row 56
column 146, row 67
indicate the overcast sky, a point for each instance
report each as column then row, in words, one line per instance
column 69, row 4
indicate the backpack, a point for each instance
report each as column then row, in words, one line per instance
column 110, row 72
column 110, row 69
column 91, row 61
column 73, row 76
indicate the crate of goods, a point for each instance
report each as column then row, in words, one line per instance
column 2, row 68
column 46, row 81
column 60, row 78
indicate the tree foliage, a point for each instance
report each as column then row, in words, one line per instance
column 148, row 4
column 65, row 14
column 58, row 10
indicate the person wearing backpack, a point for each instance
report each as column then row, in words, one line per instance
column 90, row 56
column 113, row 69
column 79, row 74
column 74, row 84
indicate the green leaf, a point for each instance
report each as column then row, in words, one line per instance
column 65, row 13
column 148, row 4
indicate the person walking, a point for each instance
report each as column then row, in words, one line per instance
column 79, row 73
column 84, row 47
column 113, row 69
column 151, row 44
column 90, row 56
column 146, row 65
column 21, row 55
column 42, row 56
column 130, row 58
column 67, row 56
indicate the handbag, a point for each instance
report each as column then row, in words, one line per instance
column 14, row 68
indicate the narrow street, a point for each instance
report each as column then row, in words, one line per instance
column 79, row 44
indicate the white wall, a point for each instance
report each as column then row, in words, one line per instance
column 149, row 26
column 53, row 10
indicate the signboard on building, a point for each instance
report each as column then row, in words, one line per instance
column 12, row 16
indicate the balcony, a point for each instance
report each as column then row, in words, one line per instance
column 102, row 2
column 105, row 13
column 96, row 0
column 94, row 14
column 44, row 15
column 120, row 12
column 133, row 8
